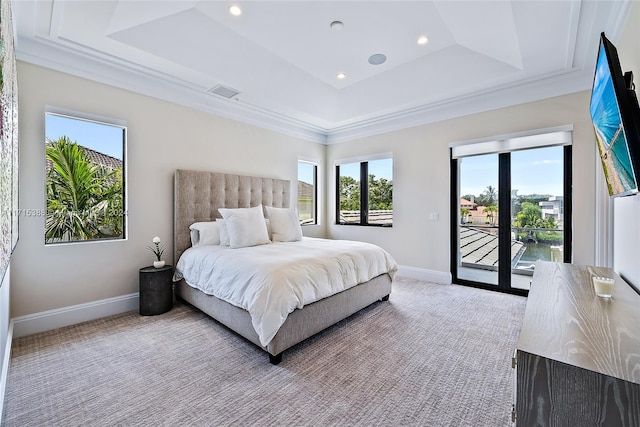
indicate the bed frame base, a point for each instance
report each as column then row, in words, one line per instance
column 301, row 324
column 274, row 360
column 197, row 197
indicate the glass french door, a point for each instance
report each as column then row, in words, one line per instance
column 478, row 227
column 510, row 210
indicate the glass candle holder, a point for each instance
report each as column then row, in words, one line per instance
column 603, row 286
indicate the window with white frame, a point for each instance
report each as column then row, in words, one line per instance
column 364, row 193
column 85, row 179
column 307, row 192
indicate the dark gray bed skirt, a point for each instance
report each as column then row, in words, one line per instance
column 300, row 324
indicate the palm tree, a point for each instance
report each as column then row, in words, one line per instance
column 464, row 213
column 490, row 210
column 82, row 197
column 490, row 195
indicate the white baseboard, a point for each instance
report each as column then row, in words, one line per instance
column 433, row 276
column 4, row 368
column 66, row 316
column 71, row 315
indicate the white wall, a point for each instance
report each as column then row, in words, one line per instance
column 4, row 312
column 4, row 335
column 626, row 219
column 161, row 138
column 422, row 177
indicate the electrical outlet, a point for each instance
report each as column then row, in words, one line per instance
column 434, row 216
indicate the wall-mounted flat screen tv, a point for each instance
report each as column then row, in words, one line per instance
column 616, row 118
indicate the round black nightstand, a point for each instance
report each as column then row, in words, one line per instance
column 156, row 290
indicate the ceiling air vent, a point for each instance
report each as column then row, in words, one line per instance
column 225, row 92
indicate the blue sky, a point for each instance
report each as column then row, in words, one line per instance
column 100, row 137
column 380, row 168
column 305, row 172
column 535, row 171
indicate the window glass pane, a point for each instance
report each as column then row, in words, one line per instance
column 380, row 192
column 84, row 180
column 478, row 226
column 349, row 187
column 537, row 209
column 307, row 191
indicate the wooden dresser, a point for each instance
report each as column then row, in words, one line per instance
column 578, row 355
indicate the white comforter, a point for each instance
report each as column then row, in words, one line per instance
column 270, row 281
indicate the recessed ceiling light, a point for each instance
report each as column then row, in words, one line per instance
column 336, row 25
column 377, row 59
column 341, row 76
column 423, row 40
column 235, row 10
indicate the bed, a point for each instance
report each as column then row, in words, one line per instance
column 198, row 196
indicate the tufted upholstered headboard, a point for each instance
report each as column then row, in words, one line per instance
column 198, row 195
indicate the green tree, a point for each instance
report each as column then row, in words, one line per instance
column 380, row 193
column 490, row 211
column 515, row 201
column 549, row 222
column 464, row 213
column 529, row 216
column 534, row 198
column 488, row 197
column 349, row 194
column 84, row 200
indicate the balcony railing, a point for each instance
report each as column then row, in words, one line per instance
column 528, row 246
column 376, row 217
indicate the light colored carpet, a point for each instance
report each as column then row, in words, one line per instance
column 434, row 355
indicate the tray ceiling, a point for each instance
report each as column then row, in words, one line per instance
column 283, row 57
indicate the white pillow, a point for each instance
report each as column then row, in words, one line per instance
column 245, row 226
column 266, row 221
column 224, row 235
column 205, row 233
column 285, row 225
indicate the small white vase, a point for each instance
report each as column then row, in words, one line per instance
column 158, row 264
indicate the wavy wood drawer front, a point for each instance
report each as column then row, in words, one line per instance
column 578, row 355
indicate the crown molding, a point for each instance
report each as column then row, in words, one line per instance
column 132, row 77
column 547, row 86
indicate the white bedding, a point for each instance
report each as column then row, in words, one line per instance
column 270, row 281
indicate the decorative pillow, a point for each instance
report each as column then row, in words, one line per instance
column 224, row 235
column 205, row 233
column 266, row 221
column 285, row 225
column 245, row 226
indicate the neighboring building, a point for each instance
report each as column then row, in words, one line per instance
column 477, row 214
column 102, row 159
column 468, row 204
column 554, row 208
column 95, row 157
column 305, row 190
